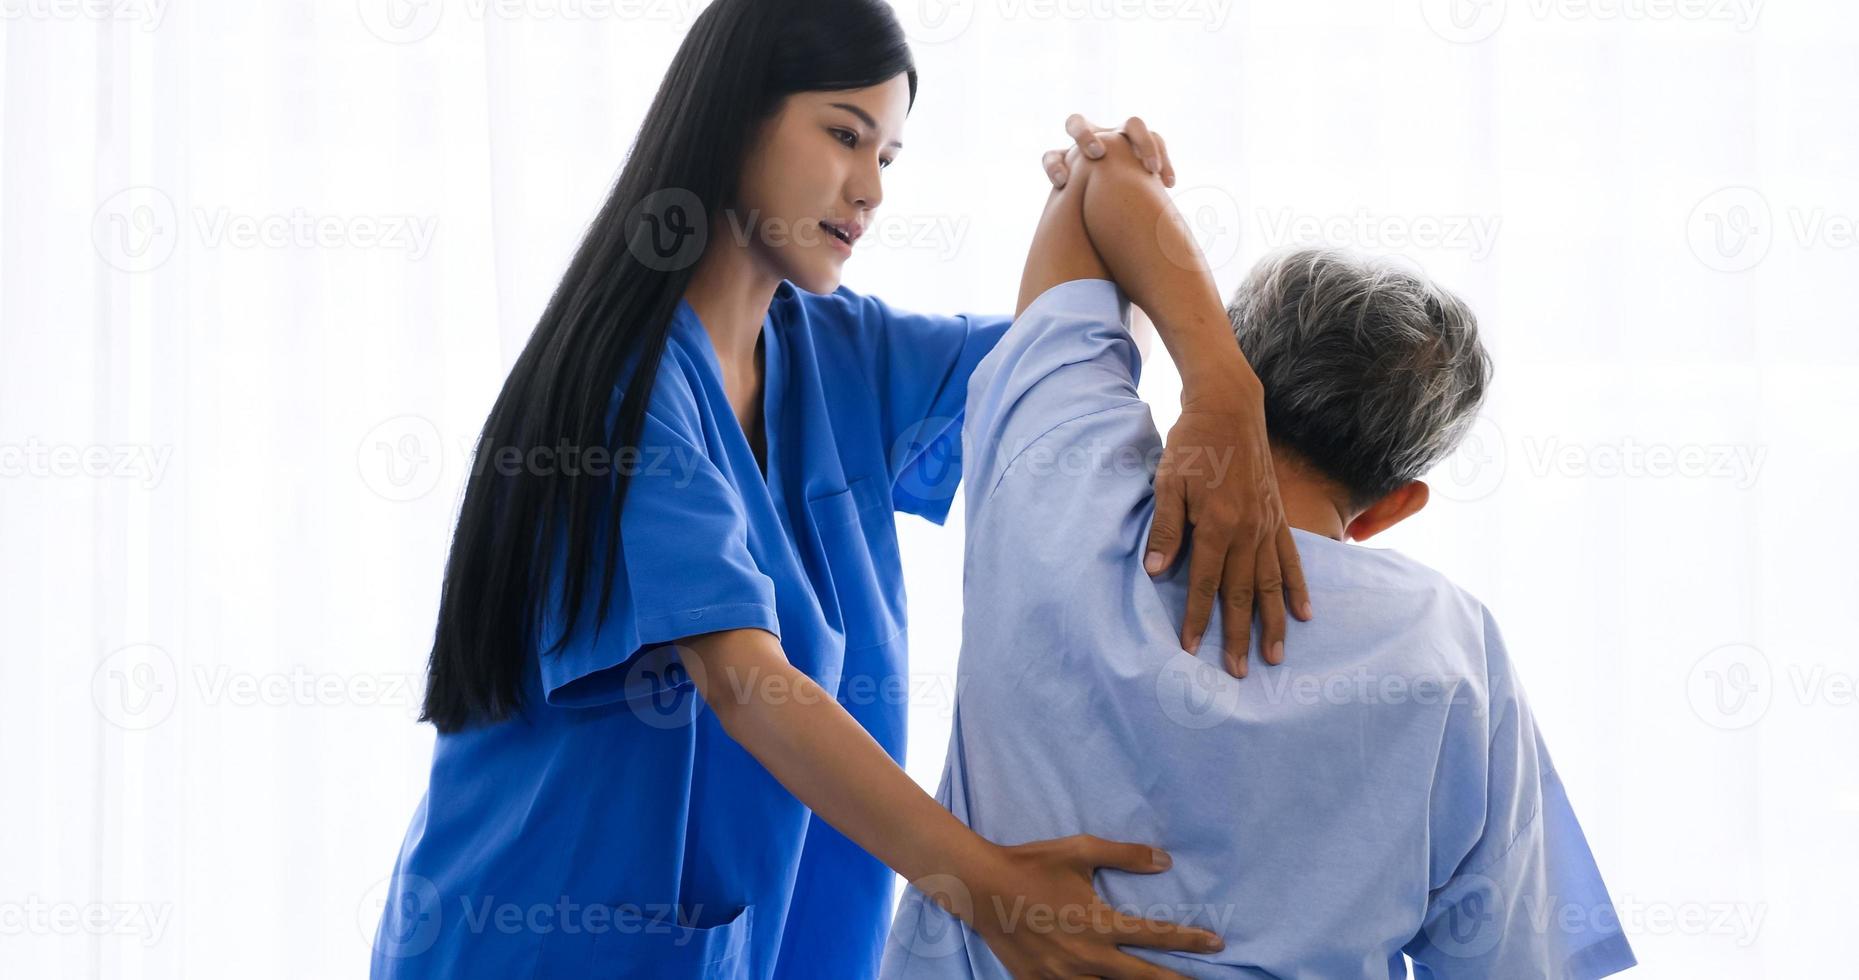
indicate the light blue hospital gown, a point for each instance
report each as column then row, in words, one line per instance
column 1383, row 792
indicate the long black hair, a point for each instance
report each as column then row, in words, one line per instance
column 606, row 325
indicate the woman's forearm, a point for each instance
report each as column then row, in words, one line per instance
column 1153, row 257
column 808, row 742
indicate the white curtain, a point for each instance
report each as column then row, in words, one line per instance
column 264, row 266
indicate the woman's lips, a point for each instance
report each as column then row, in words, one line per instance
column 837, row 238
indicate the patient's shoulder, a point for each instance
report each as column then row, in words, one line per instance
column 1396, row 592
column 1347, row 565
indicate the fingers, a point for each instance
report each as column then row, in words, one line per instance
column 1268, row 585
column 1092, row 852
column 1096, row 852
column 1056, row 170
column 1085, row 135
column 1168, row 166
column 1171, row 512
column 1137, row 132
column 1296, row 592
column 1154, row 934
column 1236, row 609
column 1205, row 565
column 1123, row 966
column 1149, row 145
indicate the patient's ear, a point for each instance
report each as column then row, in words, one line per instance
column 1400, row 504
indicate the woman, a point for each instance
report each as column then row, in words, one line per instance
column 673, row 608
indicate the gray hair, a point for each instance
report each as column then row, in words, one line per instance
column 1372, row 374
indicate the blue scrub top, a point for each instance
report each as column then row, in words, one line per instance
column 613, row 828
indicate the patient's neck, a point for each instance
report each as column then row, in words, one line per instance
column 1312, row 503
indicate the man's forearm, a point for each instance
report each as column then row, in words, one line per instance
column 1153, row 257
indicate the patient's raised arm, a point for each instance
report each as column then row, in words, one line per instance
column 1114, row 220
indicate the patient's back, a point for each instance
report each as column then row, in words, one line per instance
column 1383, row 790
column 1301, row 805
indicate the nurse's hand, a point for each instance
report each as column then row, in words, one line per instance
column 1037, row 910
column 1216, row 474
column 1088, row 137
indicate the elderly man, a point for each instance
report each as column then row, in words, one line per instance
column 1380, row 796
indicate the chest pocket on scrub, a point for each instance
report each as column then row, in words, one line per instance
column 859, row 535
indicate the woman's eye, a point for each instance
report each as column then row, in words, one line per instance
column 882, row 164
column 847, row 137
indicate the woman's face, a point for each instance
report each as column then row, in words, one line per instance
column 812, row 180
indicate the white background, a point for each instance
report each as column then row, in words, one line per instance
column 214, row 629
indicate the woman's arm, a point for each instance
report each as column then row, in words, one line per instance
column 805, row 739
column 1116, row 221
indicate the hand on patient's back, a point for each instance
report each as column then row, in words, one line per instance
column 1216, row 474
column 1216, row 468
column 1040, row 914
column 1088, row 137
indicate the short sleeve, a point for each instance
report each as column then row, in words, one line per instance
column 920, row 365
column 1528, row 900
column 683, row 568
column 1068, row 356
